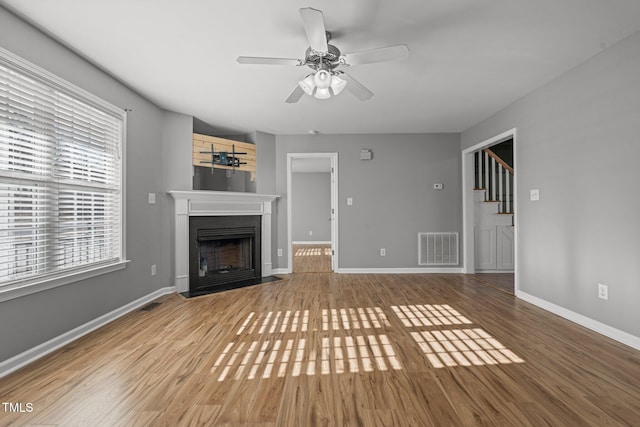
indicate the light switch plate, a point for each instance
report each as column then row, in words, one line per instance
column 349, row 201
column 152, row 198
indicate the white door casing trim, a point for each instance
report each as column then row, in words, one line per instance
column 468, row 266
column 334, row 204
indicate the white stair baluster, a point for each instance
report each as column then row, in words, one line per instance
column 479, row 159
column 500, row 178
column 486, row 175
column 508, row 193
column 493, row 179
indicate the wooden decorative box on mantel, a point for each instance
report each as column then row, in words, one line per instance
column 222, row 156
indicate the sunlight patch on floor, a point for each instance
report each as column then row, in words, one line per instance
column 295, row 357
column 262, row 351
column 346, row 342
column 463, row 347
column 312, row 252
column 333, row 319
column 452, row 347
column 429, row 315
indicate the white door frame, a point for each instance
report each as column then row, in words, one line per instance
column 468, row 266
column 334, row 204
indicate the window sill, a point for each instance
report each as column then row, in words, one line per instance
column 16, row 291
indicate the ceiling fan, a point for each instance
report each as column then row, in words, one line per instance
column 324, row 59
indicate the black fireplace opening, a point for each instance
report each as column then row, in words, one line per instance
column 224, row 253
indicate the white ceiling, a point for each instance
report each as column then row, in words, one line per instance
column 468, row 60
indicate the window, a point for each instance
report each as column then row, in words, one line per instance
column 61, row 183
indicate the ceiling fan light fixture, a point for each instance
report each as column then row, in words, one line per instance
column 323, row 58
column 307, row 84
column 323, row 93
column 337, row 84
column 322, row 79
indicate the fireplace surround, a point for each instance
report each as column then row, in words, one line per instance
column 239, row 211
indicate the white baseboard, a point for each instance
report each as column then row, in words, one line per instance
column 18, row 361
column 606, row 330
column 311, row 242
column 494, row 271
column 452, row 270
column 399, row 270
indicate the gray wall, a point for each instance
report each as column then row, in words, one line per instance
column 221, row 180
column 266, row 175
column 31, row 320
column 265, row 161
column 392, row 194
column 177, row 142
column 311, row 207
column 577, row 141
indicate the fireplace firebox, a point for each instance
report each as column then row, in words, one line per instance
column 224, row 252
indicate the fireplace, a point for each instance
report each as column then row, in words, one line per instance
column 216, row 208
column 224, row 251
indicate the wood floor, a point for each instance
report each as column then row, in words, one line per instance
column 311, row 258
column 502, row 281
column 327, row 349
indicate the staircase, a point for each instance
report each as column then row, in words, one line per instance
column 493, row 212
column 494, row 183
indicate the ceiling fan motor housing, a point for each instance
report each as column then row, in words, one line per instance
column 323, row 60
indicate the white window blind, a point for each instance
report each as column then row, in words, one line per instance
column 60, row 177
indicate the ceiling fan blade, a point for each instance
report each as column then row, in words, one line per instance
column 356, row 88
column 382, row 54
column 295, row 95
column 313, row 22
column 267, row 61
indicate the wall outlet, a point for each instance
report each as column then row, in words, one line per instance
column 279, row 252
column 153, row 269
column 383, row 252
column 535, row 195
column 438, row 186
column 349, row 201
column 310, row 232
column 152, row 198
column 603, row 291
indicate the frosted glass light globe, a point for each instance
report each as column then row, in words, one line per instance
column 322, row 79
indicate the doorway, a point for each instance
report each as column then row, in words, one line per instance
column 469, row 206
column 312, row 190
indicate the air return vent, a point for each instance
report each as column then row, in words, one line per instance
column 437, row 248
column 150, row 306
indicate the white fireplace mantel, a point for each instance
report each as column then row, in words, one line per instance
column 216, row 203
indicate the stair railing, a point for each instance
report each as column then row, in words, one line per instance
column 495, row 181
